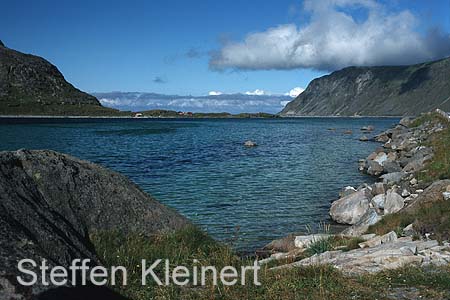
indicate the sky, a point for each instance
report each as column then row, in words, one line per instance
column 198, row 47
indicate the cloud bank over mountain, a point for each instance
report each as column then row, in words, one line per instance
column 333, row 39
column 216, row 101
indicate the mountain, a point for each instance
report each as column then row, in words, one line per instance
column 30, row 85
column 231, row 103
column 376, row 91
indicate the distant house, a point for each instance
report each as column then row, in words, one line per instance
column 138, row 115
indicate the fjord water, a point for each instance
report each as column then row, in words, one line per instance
column 201, row 168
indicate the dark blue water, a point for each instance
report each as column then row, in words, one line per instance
column 201, row 168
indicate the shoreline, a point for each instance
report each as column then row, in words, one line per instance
column 387, row 227
column 188, row 118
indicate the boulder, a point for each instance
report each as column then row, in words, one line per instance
column 369, row 218
column 431, row 194
column 304, row 241
column 378, row 188
column 348, row 190
column 50, row 204
column 374, row 168
column 364, row 138
column 393, row 203
column 378, row 201
column 409, row 230
column 368, row 128
column 381, row 158
column 378, row 240
column 285, row 244
column 391, row 167
column 393, row 178
column 250, row 144
column 350, row 209
column 382, row 138
column 416, row 165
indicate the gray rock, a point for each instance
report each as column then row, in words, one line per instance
column 391, row 167
column 374, row 168
column 348, row 190
column 378, row 201
column 368, row 128
column 393, row 203
column 409, row 230
column 378, row 188
column 50, row 203
column 369, row 218
column 393, row 178
column 364, row 138
column 350, row 209
column 378, row 240
column 406, row 121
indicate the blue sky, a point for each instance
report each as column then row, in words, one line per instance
column 193, row 47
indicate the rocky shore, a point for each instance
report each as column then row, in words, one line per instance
column 399, row 164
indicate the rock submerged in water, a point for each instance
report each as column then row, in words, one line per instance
column 368, row 128
column 364, row 138
column 250, row 144
column 49, row 205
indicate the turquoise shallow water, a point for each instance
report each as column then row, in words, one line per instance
column 201, row 168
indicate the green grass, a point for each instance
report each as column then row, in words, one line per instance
column 333, row 243
column 312, row 283
column 182, row 247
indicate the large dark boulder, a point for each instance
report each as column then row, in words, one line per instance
column 50, row 203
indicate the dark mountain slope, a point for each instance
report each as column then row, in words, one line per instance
column 31, row 85
column 372, row 91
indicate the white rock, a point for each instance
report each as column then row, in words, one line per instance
column 446, row 195
column 304, row 241
column 405, row 193
column 250, row 144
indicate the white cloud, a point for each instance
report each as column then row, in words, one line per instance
column 257, row 92
column 215, row 93
column 295, row 92
column 333, row 39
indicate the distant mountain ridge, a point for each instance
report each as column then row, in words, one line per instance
column 232, row 103
column 376, row 91
column 30, row 84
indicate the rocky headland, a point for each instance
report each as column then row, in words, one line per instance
column 31, row 85
column 376, row 91
column 52, row 203
column 400, row 220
